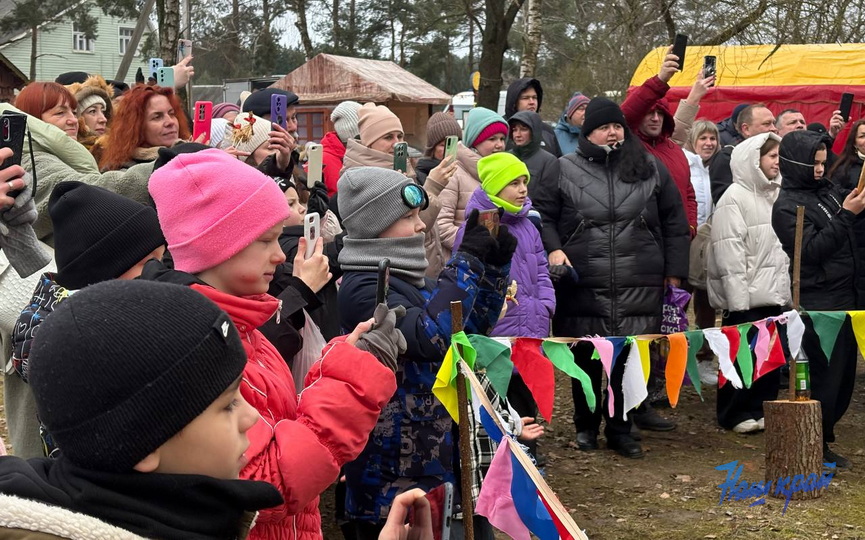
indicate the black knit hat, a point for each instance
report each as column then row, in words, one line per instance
column 122, row 366
column 166, row 154
column 601, row 111
column 71, row 77
column 99, row 234
column 259, row 102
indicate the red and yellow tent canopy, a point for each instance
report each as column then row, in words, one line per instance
column 810, row 78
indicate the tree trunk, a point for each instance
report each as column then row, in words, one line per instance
column 794, row 443
column 169, row 31
column 531, row 39
column 335, row 25
column 495, row 42
column 352, row 26
column 34, row 43
column 303, row 27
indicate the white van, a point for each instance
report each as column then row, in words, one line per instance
column 463, row 102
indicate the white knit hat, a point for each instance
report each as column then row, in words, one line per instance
column 218, row 129
column 252, row 133
column 345, row 119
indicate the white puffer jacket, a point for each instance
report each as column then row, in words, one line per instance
column 747, row 268
column 702, row 186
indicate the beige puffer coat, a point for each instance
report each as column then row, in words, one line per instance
column 455, row 196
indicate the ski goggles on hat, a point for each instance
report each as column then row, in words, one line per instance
column 414, row 196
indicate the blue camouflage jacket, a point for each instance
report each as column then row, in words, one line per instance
column 412, row 445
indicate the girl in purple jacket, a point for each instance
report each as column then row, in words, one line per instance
column 504, row 180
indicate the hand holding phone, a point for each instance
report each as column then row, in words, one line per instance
column 709, row 67
column 400, row 157
column 314, row 157
column 441, row 500
column 184, row 49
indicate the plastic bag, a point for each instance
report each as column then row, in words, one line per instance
column 313, row 343
column 675, row 314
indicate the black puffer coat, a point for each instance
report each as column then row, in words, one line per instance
column 829, row 261
column 543, row 166
column 622, row 237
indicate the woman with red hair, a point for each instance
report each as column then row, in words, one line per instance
column 147, row 119
column 55, row 155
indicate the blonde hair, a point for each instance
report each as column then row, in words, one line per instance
column 698, row 129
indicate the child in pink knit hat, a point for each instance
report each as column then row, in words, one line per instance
column 222, row 219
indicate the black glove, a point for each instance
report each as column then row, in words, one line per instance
column 384, row 340
column 477, row 239
column 318, row 199
column 506, row 244
column 562, row 273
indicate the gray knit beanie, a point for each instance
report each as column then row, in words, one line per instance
column 370, row 200
column 345, row 118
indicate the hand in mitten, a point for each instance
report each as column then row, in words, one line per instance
column 23, row 212
column 384, row 340
column 504, row 250
column 562, row 273
column 318, row 199
column 477, row 239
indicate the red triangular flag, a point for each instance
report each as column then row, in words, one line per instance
column 776, row 353
column 537, row 372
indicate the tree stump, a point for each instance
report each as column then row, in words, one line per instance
column 794, row 443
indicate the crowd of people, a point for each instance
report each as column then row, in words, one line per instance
column 157, row 293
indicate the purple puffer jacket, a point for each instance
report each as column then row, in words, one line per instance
column 535, row 294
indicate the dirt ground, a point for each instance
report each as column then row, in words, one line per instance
column 672, row 493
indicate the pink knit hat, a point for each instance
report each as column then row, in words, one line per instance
column 211, row 206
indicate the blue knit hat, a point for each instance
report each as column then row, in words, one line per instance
column 478, row 120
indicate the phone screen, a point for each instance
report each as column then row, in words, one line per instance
column 490, row 220
column 709, row 66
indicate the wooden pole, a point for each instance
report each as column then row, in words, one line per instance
column 794, row 429
column 797, row 280
column 132, row 48
column 465, row 435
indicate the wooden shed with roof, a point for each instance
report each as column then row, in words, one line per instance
column 11, row 79
column 327, row 80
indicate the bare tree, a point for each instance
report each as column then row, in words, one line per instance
column 532, row 38
column 500, row 15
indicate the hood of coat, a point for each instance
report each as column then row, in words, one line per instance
column 467, row 159
column 668, row 125
column 516, row 88
column 331, row 143
column 481, row 201
column 797, row 159
column 745, row 164
column 358, row 155
column 534, row 123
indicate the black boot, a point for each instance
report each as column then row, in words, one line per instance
column 587, row 440
column 831, row 457
column 625, row 446
column 650, row 420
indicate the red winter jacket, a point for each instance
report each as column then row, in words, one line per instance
column 301, row 441
column 636, row 106
column 334, row 152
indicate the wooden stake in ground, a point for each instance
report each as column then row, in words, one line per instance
column 794, row 429
column 465, row 434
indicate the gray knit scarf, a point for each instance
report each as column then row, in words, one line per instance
column 407, row 256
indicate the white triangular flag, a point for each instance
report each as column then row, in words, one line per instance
column 720, row 345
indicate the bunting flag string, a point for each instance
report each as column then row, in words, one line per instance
column 536, row 359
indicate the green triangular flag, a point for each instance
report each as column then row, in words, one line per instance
column 827, row 324
column 743, row 356
column 561, row 356
column 695, row 343
column 495, row 358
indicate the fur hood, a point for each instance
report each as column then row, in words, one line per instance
column 94, row 85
